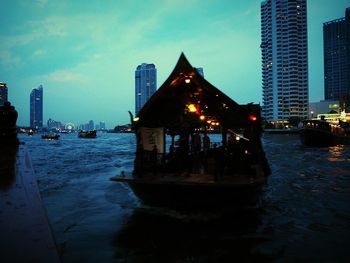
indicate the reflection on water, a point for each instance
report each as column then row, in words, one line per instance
column 169, row 236
column 304, row 215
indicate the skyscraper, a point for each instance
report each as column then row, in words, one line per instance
column 145, row 84
column 200, row 71
column 336, row 44
column 284, row 59
column 3, row 93
column 36, row 108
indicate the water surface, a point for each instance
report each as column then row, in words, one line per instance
column 304, row 215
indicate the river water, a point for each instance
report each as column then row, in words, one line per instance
column 304, row 215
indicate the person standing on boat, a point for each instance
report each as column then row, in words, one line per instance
column 140, row 153
column 154, row 157
column 206, row 144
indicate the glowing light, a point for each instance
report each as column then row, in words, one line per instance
column 202, row 117
column 252, row 118
column 187, row 81
column 208, row 121
column 237, row 138
column 136, row 118
column 192, row 108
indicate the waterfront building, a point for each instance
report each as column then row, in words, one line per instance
column 323, row 107
column 91, row 125
column 36, row 108
column 52, row 124
column 145, row 84
column 336, row 44
column 3, row 93
column 284, row 60
column 102, row 125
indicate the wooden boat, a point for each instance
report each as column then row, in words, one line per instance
column 87, row 134
column 320, row 133
column 192, row 172
column 50, row 136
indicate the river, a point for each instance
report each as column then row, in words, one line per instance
column 304, row 215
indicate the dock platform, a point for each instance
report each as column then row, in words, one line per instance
column 25, row 231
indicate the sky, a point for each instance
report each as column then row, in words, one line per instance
column 85, row 53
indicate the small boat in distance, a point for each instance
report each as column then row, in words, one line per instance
column 50, row 136
column 178, row 165
column 320, row 133
column 87, row 134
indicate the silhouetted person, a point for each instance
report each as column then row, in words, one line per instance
column 139, row 160
column 154, row 155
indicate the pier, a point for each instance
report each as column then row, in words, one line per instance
column 25, row 231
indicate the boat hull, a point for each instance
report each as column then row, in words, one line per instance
column 321, row 138
column 211, row 195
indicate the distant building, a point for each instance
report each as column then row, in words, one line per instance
column 284, row 60
column 52, row 124
column 336, row 44
column 3, row 93
column 200, row 71
column 323, row 107
column 91, row 125
column 36, row 108
column 145, row 84
column 102, row 125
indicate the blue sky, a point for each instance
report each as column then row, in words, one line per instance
column 85, row 53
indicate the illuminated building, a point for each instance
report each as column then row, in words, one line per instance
column 284, row 60
column 36, row 108
column 323, row 107
column 3, row 93
column 145, row 84
column 336, row 44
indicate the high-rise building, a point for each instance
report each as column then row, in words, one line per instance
column 284, row 60
column 336, row 44
column 200, row 71
column 102, row 125
column 145, row 84
column 36, row 108
column 3, row 93
column 91, row 125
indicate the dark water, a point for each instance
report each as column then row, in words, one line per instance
column 304, row 215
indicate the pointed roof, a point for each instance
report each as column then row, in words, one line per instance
column 168, row 107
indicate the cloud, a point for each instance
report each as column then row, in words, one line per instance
column 39, row 53
column 41, row 3
column 66, row 76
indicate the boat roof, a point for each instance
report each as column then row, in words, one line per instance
column 170, row 106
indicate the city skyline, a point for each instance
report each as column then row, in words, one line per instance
column 85, row 54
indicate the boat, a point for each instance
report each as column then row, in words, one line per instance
column 321, row 133
column 87, row 134
column 50, row 136
column 177, row 164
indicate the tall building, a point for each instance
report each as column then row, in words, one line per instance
column 200, row 71
column 3, row 93
column 145, row 84
column 284, row 60
column 91, row 125
column 336, row 45
column 36, row 108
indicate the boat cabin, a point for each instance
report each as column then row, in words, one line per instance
column 174, row 127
